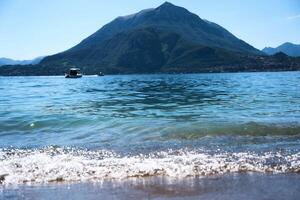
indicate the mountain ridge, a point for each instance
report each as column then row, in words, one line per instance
column 162, row 35
column 9, row 61
column 287, row 48
column 168, row 15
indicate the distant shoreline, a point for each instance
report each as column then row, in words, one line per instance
column 162, row 73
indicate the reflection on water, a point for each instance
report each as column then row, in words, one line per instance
column 54, row 129
column 114, row 111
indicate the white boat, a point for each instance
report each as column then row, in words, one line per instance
column 100, row 74
column 73, row 73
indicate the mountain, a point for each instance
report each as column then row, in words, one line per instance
column 8, row 61
column 166, row 39
column 152, row 40
column 287, row 48
column 170, row 18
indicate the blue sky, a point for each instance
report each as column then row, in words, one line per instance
column 31, row 28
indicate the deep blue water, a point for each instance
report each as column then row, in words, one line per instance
column 256, row 114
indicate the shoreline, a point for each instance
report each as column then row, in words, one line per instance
column 162, row 73
column 228, row 186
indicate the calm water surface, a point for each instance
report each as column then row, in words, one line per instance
column 52, row 128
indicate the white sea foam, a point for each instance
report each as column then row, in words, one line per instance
column 55, row 164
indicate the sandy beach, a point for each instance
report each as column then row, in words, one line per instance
column 231, row 186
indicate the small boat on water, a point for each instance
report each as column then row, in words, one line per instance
column 73, row 73
column 100, row 74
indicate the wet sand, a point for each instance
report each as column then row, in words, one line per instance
column 230, row 186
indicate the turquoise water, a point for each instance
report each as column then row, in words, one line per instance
column 173, row 125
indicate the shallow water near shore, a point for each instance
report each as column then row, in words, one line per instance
column 230, row 186
column 184, row 127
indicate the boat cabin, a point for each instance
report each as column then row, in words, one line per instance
column 74, row 73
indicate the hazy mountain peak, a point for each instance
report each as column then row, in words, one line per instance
column 8, row 61
column 287, row 48
column 288, row 44
column 167, row 5
column 170, row 10
column 138, row 14
column 163, row 7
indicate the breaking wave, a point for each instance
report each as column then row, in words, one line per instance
column 18, row 166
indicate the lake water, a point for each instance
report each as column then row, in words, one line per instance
column 118, row 127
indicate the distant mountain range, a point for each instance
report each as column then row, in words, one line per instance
column 287, row 48
column 8, row 61
column 166, row 39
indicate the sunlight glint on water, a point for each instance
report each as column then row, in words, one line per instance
column 240, row 122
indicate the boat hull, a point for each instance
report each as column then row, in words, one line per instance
column 73, row 76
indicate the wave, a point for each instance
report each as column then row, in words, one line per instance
column 196, row 130
column 18, row 166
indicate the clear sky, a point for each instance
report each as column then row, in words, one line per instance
column 31, row 28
